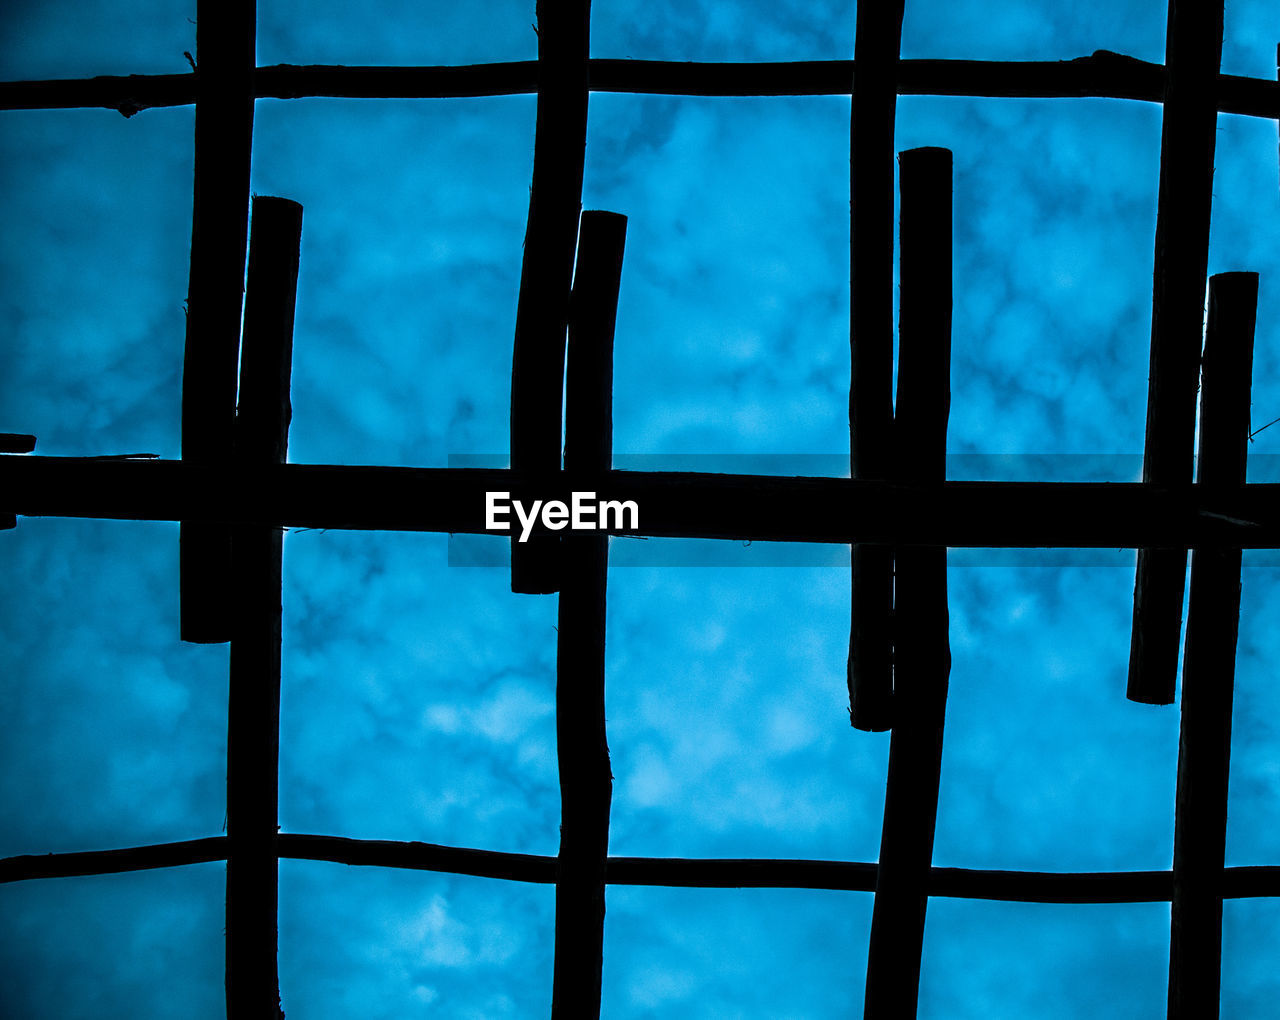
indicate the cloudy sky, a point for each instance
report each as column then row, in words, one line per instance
column 418, row 695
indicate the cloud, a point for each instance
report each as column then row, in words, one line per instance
column 375, row 942
column 117, row 734
column 96, row 261
column 69, row 39
column 413, row 225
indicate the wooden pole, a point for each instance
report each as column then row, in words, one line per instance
column 14, row 442
column 253, row 741
column 1103, row 75
column 671, row 872
column 875, row 94
column 757, row 508
column 225, row 36
column 1188, row 140
column 923, row 656
column 586, row 782
column 555, row 199
column 1208, row 676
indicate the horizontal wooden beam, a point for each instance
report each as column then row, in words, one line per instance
column 672, row 872
column 113, row 862
column 671, row 504
column 1103, row 75
column 417, row 856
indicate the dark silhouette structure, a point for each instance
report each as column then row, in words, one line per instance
column 233, row 491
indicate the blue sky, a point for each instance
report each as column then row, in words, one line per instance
column 418, row 696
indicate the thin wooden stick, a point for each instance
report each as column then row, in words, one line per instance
column 1102, row 75
column 879, row 36
column 586, row 782
column 922, row 653
column 555, row 199
column 224, row 133
column 253, row 741
column 112, row 862
column 671, row 872
column 1188, row 140
column 1213, row 620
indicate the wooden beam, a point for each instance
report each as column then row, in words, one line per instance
column 264, row 410
column 922, row 655
column 1209, row 663
column 225, row 37
column 13, row 442
column 113, row 862
column 582, row 748
column 1188, row 140
column 670, row 872
column 1103, row 75
column 415, row 856
column 763, row 508
column 871, row 127
column 253, row 740
column 555, row 200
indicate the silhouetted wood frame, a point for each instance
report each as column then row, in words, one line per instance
column 1209, row 663
column 1188, row 140
column 253, row 737
column 1103, row 75
column 224, row 94
column 13, row 442
column 871, row 125
column 1163, row 511
column 546, row 272
column 586, row 781
column 839, row 511
column 670, row 872
column 922, row 655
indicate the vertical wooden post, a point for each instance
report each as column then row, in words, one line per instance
column 923, row 656
column 253, row 740
column 586, row 783
column 1188, row 140
column 875, row 97
column 14, row 442
column 1208, row 675
column 225, row 36
column 555, row 198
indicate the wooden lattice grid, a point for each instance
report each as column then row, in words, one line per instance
column 232, row 490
